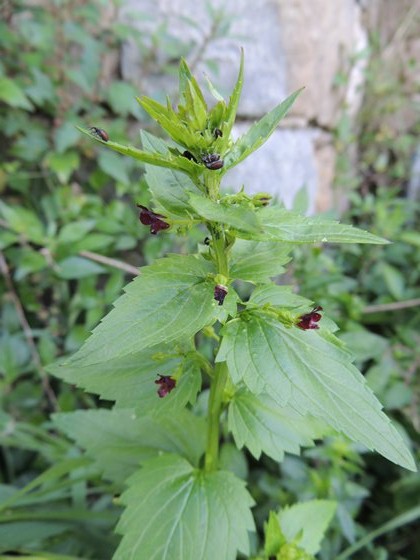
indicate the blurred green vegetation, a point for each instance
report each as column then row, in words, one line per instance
column 65, row 205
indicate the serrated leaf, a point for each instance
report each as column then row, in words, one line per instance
column 310, row 520
column 170, row 189
column 260, row 424
column 170, row 300
column 258, row 261
column 130, row 380
column 234, row 216
column 313, row 375
column 175, row 511
column 278, row 296
column 118, row 441
column 252, row 360
column 280, row 224
column 259, row 133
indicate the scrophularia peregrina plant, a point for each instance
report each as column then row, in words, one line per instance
column 278, row 378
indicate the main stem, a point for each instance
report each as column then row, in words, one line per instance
column 218, row 381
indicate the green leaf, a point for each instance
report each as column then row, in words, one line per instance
column 18, row 534
column 239, row 218
column 170, row 189
column 115, row 166
column 187, row 80
column 393, row 278
column 252, row 360
column 278, row 296
column 175, row 511
column 170, row 300
column 130, row 380
column 75, row 231
column 282, row 225
column 122, row 98
column 118, row 441
column 259, row 133
column 232, row 107
column 308, row 519
column 212, row 89
column 166, row 117
column 260, row 424
column 179, row 163
column 313, row 375
column 65, row 136
column 364, row 344
column 63, row 164
column 274, row 537
column 13, row 95
column 23, row 221
column 42, row 89
column 78, row 267
column 258, row 261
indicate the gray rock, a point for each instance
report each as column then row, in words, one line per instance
column 285, row 164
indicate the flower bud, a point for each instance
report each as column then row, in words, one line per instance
column 220, row 292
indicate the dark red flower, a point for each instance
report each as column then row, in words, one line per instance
column 149, row 218
column 220, row 292
column 310, row 320
column 166, row 384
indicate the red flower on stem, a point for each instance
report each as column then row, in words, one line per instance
column 166, row 384
column 149, row 218
column 310, row 320
column 220, row 292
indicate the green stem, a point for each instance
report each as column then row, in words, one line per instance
column 212, row 182
column 213, row 416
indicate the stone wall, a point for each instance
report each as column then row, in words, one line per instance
column 288, row 44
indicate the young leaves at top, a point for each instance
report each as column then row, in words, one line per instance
column 259, row 133
column 174, row 511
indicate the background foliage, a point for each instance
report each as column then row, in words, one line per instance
column 65, row 204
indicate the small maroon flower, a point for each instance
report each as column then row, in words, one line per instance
column 166, row 384
column 212, row 161
column 220, row 292
column 149, row 218
column 310, row 320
